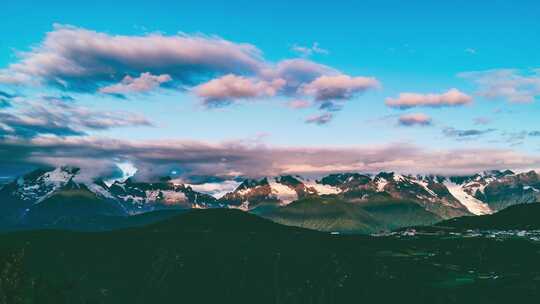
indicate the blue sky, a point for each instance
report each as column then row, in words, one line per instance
column 420, row 47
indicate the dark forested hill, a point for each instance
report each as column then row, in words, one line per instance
column 517, row 217
column 229, row 256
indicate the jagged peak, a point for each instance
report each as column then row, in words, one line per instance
column 347, row 177
column 288, row 180
column 384, row 175
column 252, row 183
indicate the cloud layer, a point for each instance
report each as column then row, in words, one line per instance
column 464, row 134
column 233, row 159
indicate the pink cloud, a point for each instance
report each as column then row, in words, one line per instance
column 452, row 97
column 415, row 119
column 76, row 58
column 339, row 87
column 237, row 87
column 296, row 72
column 144, row 83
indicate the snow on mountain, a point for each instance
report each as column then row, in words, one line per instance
column 473, row 204
column 381, row 183
column 476, row 184
column 37, row 187
column 99, row 190
column 284, row 193
column 281, row 190
column 501, row 189
column 425, row 186
column 269, row 190
column 530, row 188
column 141, row 197
column 216, row 189
column 320, row 188
column 168, row 197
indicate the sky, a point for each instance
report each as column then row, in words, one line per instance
column 252, row 88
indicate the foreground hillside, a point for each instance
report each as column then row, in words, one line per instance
column 229, row 256
column 333, row 214
column 518, row 217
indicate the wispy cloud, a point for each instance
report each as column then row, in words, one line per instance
column 482, row 120
column 415, row 119
column 307, row 51
column 299, row 104
column 508, row 84
column 514, row 138
column 465, row 134
column 320, row 119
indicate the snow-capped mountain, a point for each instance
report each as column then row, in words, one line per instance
column 41, row 190
column 38, row 185
column 140, row 197
column 500, row 189
column 447, row 197
column 281, row 190
column 352, row 187
column 50, row 191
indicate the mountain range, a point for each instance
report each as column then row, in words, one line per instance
column 344, row 202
